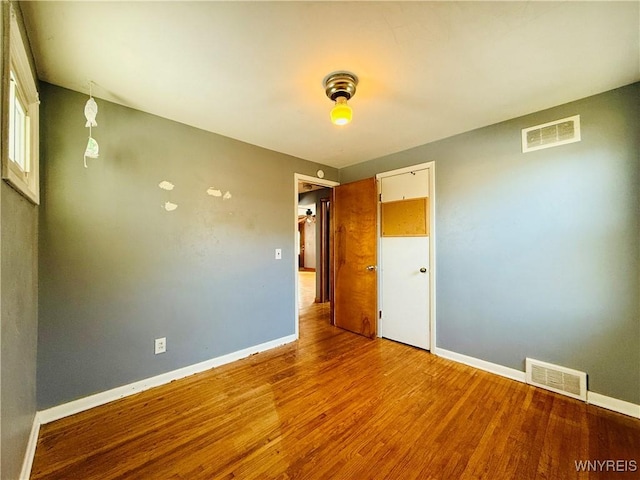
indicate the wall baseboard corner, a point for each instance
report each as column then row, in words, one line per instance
column 30, row 453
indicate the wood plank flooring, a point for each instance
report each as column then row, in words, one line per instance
column 335, row 405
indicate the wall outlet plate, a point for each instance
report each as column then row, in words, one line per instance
column 161, row 345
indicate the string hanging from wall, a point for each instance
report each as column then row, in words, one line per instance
column 90, row 112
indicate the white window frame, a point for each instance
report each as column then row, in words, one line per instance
column 24, row 178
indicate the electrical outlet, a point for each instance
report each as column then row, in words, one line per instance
column 278, row 254
column 161, row 345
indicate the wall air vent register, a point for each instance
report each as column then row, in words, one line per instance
column 552, row 134
column 556, row 378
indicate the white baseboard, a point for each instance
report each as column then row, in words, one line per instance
column 597, row 399
column 503, row 371
column 30, row 453
column 82, row 404
column 614, row 404
column 76, row 406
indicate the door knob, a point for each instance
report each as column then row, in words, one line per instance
column 423, row 270
column 372, row 268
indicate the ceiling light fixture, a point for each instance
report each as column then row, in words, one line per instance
column 310, row 216
column 340, row 87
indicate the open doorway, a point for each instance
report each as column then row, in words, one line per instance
column 313, row 220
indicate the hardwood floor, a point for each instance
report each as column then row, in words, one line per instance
column 307, row 288
column 335, row 405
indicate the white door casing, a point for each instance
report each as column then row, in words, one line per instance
column 297, row 178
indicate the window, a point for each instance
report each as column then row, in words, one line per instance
column 20, row 158
column 18, row 127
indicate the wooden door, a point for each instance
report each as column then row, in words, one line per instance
column 325, row 251
column 355, row 306
column 301, row 239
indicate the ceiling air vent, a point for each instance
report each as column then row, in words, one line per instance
column 557, row 379
column 552, row 134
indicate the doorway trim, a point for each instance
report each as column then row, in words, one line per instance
column 431, row 166
column 299, row 177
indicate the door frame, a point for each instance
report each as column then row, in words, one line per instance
column 299, row 177
column 431, row 166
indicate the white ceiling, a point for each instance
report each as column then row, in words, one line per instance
column 253, row 70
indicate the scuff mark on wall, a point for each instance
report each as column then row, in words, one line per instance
column 170, row 207
column 227, row 196
column 165, row 185
column 214, row 192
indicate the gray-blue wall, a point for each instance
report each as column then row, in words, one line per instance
column 19, row 272
column 117, row 270
column 538, row 254
column 18, row 320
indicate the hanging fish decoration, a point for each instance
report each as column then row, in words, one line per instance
column 91, row 151
column 90, row 111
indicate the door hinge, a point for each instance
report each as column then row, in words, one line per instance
column 380, row 197
column 380, row 314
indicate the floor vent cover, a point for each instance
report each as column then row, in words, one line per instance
column 557, row 379
column 552, row 134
